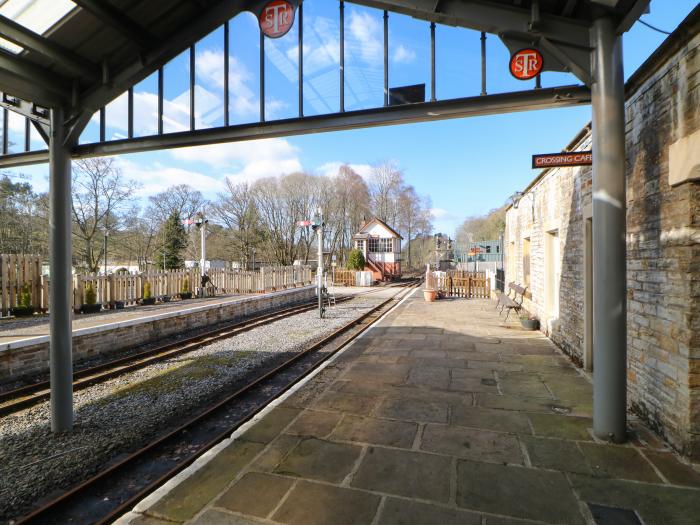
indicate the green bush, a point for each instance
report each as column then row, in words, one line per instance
column 147, row 290
column 25, row 297
column 356, row 260
column 186, row 285
column 90, row 295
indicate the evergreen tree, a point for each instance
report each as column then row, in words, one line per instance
column 174, row 238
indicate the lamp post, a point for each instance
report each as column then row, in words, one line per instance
column 318, row 226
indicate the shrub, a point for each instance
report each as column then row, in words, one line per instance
column 147, row 290
column 186, row 285
column 356, row 260
column 90, row 295
column 25, row 297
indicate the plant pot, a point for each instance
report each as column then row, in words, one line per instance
column 165, row 298
column 119, row 305
column 23, row 311
column 148, row 302
column 530, row 324
column 430, row 295
column 185, row 295
column 90, row 308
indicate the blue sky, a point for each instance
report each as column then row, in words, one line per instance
column 466, row 166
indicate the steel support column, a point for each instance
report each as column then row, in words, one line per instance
column 60, row 319
column 609, row 250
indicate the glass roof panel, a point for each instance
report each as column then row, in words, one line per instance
column 36, row 15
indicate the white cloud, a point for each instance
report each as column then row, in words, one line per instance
column 364, row 40
column 236, row 154
column 402, row 55
column 261, row 168
column 441, row 214
column 330, row 169
column 156, row 177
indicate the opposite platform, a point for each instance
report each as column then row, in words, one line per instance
column 440, row 414
column 24, row 344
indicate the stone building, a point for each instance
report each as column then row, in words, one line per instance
column 548, row 243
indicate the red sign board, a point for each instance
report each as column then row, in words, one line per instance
column 276, row 18
column 558, row 160
column 526, row 64
column 304, row 223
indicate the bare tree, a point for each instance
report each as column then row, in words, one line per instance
column 386, row 181
column 237, row 211
column 99, row 195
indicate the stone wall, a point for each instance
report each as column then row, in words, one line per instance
column 31, row 356
column 663, row 243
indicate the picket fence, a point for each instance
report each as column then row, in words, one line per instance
column 16, row 270
column 472, row 285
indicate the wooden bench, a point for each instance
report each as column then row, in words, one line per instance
column 512, row 300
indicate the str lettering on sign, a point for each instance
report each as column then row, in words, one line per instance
column 276, row 18
column 526, row 64
column 558, row 160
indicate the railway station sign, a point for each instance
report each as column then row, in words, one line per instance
column 526, row 64
column 559, row 160
column 276, row 18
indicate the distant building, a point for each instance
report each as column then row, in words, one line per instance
column 215, row 264
column 381, row 246
column 482, row 251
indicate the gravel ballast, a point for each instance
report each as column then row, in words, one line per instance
column 117, row 416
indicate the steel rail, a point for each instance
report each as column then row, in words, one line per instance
column 23, row 397
column 102, row 477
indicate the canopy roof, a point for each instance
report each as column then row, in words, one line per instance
column 82, row 54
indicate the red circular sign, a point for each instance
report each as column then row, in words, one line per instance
column 276, row 18
column 526, row 64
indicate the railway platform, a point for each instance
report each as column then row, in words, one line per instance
column 24, row 343
column 440, row 413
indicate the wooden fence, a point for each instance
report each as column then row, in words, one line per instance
column 16, row 270
column 472, row 285
column 342, row 277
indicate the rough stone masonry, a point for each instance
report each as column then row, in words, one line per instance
column 663, row 242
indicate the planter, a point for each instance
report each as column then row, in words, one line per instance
column 148, row 302
column 430, row 295
column 530, row 324
column 165, row 299
column 23, row 311
column 90, row 308
column 119, row 305
column 185, row 295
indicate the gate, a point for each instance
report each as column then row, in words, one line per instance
column 469, row 285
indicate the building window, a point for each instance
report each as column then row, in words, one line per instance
column 381, row 245
column 526, row 263
column 488, row 248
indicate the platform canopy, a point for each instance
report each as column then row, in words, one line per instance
column 62, row 61
column 82, row 54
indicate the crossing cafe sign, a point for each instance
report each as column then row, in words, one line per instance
column 558, row 160
column 526, row 64
column 276, row 18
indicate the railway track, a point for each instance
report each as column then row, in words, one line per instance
column 18, row 399
column 115, row 490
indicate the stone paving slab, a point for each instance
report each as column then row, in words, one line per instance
column 441, row 414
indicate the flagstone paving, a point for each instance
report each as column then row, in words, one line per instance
column 442, row 414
